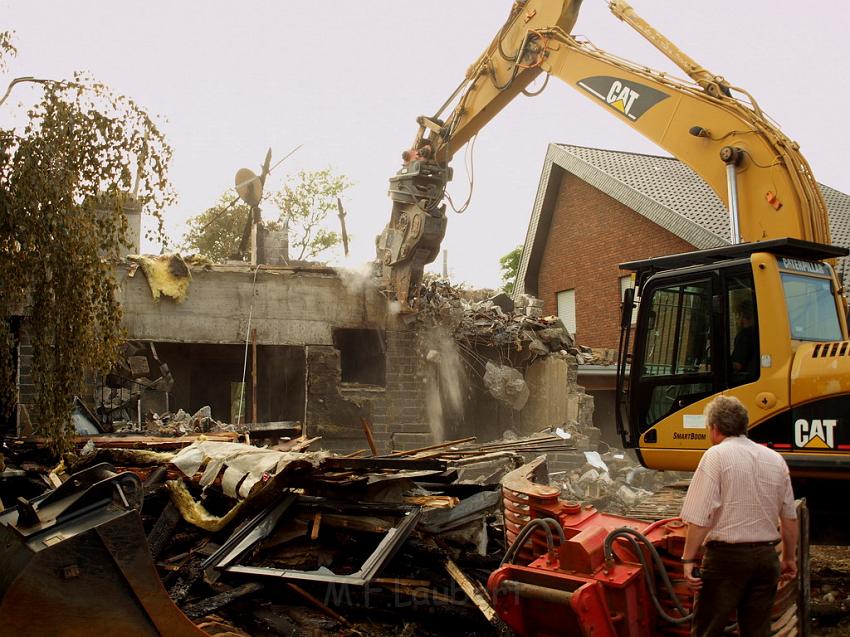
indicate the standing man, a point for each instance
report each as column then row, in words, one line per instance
column 740, row 505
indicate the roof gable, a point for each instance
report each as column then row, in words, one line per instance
column 662, row 189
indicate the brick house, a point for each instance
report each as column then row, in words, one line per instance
column 595, row 209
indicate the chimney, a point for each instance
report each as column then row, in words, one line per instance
column 276, row 247
column 133, row 212
column 104, row 206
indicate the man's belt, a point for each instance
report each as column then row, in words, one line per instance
column 739, row 545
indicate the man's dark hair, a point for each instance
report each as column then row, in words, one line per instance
column 745, row 309
column 728, row 414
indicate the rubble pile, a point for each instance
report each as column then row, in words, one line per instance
column 519, row 332
column 138, row 377
column 596, row 356
column 182, row 423
column 616, row 483
column 273, row 541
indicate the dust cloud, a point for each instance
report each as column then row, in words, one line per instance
column 446, row 380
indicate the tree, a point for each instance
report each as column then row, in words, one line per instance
column 509, row 265
column 65, row 175
column 305, row 202
column 305, row 205
column 217, row 231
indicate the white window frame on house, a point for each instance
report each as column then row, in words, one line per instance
column 627, row 282
column 566, row 302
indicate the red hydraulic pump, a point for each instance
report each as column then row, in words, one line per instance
column 571, row 570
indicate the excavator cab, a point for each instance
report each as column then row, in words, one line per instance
column 725, row 320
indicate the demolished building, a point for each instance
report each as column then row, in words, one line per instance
column 312, row 348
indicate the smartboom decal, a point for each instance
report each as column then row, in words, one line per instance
column 627, row 98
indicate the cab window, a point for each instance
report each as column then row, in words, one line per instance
column 676, row 360
column 679, row 331
column 811, row 308
column 744, row 362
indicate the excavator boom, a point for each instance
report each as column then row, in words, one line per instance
column 755, row 169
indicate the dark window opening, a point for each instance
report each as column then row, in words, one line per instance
column 211, row 375
column 362, row 355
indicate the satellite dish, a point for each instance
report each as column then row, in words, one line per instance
column 249, row 187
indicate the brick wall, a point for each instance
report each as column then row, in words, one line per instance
column 590, row 235
column 398, row 411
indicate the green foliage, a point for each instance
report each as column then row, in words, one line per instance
column 509, row 265
column 7, row 48
column 305, row 204
column 65, row 175
column 217, row 231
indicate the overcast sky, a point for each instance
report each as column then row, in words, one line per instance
column 347, row 79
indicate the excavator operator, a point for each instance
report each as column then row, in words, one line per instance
column 745, row 350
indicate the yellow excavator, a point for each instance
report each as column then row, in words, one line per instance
column 763, row 319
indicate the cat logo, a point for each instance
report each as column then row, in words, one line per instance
column 627, row 98
column 817, row 435
column 621, row 97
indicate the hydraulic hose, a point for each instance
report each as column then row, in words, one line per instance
column 546, row 524
column 633, row 536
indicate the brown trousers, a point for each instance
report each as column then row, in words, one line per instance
column 742, row 579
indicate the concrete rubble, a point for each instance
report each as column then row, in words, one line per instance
column 506, row 384
column 614, row 481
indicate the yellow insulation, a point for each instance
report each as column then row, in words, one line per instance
column 194, row 513
column 167, row 275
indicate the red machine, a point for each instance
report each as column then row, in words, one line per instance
column 581, row 572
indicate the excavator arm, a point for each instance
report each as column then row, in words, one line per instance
column 756, row 170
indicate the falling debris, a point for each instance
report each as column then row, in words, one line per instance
column 506, row 384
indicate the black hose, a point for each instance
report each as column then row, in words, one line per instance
column 546, row 524
column 630, row 535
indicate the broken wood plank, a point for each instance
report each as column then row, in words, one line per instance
column 397, row 581
column 317, row 522
column 296, row 444
column 442, row 445
column 282, row 427
column 206, row 606
column 163, row 529
column 318, row 604
column 367, row 430
column 433, row 501
column 135, row 441
column 468, row 586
